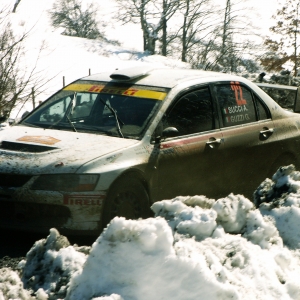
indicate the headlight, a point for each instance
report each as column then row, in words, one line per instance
column 66, row 182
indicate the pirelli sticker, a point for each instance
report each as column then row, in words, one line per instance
column 84, row 200
column 103, row 89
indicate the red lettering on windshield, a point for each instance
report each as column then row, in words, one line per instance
column 95, row 88
column 130, row 92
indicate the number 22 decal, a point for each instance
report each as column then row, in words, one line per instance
column 238, row 92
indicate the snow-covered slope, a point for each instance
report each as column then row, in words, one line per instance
column 194, row 248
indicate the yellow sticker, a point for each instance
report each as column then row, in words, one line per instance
column 46, row 140
column 132, row 92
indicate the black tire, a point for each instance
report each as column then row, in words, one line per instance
column 127, row 198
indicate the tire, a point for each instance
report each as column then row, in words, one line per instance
column 127, row 198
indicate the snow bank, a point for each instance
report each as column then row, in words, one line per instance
column 279, row 199
column 49, row 265
column 193, row 248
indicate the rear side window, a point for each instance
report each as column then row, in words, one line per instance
column 284, row 97
column 191, row 113
column 262, row 112
column 236, row 104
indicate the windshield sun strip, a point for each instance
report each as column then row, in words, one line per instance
column 131, row 92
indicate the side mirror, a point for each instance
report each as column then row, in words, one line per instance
column 169, row 132
column 166, row 133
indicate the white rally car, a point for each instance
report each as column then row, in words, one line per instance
column 112, row 144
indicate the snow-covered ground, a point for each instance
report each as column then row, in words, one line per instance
column 194, row 247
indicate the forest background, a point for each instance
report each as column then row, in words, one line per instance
column 231, row 36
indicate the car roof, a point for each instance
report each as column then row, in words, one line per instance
column 161, row 77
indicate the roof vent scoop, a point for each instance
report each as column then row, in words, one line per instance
column 130, row 73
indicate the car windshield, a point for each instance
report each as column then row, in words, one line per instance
column 111, row 109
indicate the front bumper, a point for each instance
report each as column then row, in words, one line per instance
column 37, row 211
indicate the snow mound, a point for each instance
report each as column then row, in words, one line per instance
column 279, row 199
column 11, row 286
column 50, row 264
column 194, row 248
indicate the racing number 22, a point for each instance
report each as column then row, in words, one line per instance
column 235, row 86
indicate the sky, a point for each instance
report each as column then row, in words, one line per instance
column 194, row 247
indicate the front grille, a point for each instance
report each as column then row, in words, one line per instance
column 35, row 214
column 21, row 147
column 13, row 180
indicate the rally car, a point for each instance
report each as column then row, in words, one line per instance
column 111, row 144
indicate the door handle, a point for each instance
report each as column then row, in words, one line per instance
column 266, row 132
column 212, row 142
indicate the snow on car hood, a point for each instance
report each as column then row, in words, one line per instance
column 35, row 150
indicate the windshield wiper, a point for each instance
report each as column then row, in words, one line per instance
column 114, row 112
column 71, row 123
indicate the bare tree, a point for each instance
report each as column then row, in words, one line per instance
column 153, row 17
column 76, row 21
column 286, row 48
column 197, row 24
column 232, row 43
column 16, row 82
column 16, row 5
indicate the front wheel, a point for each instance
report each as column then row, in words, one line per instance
column 127, row 198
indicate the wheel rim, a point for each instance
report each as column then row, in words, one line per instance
column 126, row 204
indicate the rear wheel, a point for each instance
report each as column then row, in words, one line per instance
column 127, row 198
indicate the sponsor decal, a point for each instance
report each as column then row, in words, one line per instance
column 45, row 140
column 131, row 92
column 83, row 200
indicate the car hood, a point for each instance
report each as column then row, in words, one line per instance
column 34, row 150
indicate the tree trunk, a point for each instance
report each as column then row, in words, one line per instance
column 164, row 30
column 16, row 5
column 296, row 32
column 225, row 26
column 184, row 32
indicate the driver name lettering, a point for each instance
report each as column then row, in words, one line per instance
column 235, row 109
column 237, row 118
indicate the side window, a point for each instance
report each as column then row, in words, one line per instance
column 236, row 104
column 192, row 113
column 262, row 111
column 285, row 98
